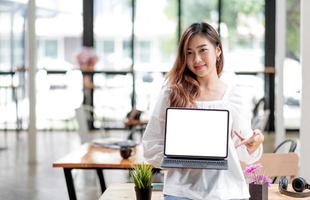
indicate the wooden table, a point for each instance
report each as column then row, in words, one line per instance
column 125, row 191
column 90, row 156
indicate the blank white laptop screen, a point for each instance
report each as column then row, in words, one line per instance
column 196, row 132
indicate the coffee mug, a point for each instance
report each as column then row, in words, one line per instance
column 125, row 152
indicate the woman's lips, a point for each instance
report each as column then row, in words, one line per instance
column 199, row 67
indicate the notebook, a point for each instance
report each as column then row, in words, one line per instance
column 196, row 138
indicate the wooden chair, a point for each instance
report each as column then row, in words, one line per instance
column 260, row 115
column 288, row 145
column 82, row 115
column 278, row 164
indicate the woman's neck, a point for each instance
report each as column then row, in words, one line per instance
column 211, row 89
column 209, row 83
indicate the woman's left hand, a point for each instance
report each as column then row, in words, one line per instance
column 251, row 143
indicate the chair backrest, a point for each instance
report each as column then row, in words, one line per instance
column 260, row 115
column 81, row 117
column 288, row 145
column 278, row 164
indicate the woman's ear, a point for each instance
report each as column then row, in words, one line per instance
column 218, row 52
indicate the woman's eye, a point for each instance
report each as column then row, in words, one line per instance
column 203, row 50
column 188, row 53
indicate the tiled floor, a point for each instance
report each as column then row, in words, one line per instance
column 20, row 180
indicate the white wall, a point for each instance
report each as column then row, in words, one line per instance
column 279, row 65
column 305, row 96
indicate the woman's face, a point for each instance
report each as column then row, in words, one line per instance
column 201, row 56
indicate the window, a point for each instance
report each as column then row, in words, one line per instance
column 112, row 32
column 126, row 49
column 5, row 54
column 113, row 98
column 12, row 87
column 144, row 52
column 59, row 31
column 155, row 47
column 198, row 11
column 292, row 66
column 51, row 48
column 243, row 34
column 155, row 35
column 112, row 25
column 108, row 51
column 5, row 47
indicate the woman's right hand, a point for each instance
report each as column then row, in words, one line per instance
column 251, row 143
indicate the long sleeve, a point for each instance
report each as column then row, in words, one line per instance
column 153, row 137
column 241, row 116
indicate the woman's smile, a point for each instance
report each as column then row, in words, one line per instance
column 199, row 67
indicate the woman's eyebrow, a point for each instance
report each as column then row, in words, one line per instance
column 202, row 45
column 197, row 47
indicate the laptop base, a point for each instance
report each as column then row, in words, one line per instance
column 194, row 164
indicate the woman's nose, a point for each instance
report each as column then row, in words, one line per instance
column 197, row 58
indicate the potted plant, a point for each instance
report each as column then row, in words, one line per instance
column 259, row 183
column 142, row 178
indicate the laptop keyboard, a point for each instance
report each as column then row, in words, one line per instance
column 195, row 164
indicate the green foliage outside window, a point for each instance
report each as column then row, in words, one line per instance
column 293, row 29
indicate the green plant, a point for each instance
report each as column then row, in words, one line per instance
column 142, row 176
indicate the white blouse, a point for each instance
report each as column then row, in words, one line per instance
column 204, row 183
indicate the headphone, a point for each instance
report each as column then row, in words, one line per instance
column 299, row 185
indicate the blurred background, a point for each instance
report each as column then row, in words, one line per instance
column 110, row 58
column 135, row 42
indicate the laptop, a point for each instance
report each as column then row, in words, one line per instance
column 196, row 138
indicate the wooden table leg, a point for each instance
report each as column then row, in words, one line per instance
column 101, row 180
column 70, row 184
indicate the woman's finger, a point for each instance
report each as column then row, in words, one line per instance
column 244, row 142
column 239, row 135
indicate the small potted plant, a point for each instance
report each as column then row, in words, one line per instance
column 258, row 185
column 142, row 178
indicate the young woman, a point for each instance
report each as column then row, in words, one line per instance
column 194, row 82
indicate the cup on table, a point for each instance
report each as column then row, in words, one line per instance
column 126, row 151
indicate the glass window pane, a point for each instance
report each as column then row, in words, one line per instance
column 5, row 47
column 126, row 49
column 198, row 11
column 242, row 33
column 108, row 46
column 68, row 6
column 112, row 28
column 145, row 50
column 12, row 87
column 59, row 34
column 155, row 48
column 58, row 44
column 112, row 96
column 51, row 47
column 148, row 86
column 292, row 67
column 113, row 31
column 155, row 31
